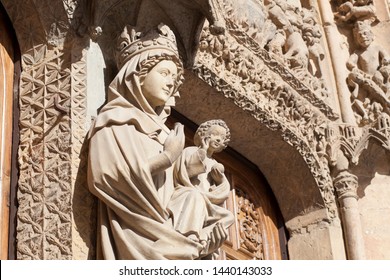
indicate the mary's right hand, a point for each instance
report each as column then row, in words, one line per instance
column 174, row 144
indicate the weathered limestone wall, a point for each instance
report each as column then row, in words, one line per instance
column 321, row 240
column 374, row 210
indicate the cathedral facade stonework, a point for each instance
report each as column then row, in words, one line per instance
column 303, row 85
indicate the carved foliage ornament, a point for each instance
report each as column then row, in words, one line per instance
column 250, row 236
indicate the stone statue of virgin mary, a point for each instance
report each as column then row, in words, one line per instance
column 131, row 153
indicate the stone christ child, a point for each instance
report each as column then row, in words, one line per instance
column 201, row 186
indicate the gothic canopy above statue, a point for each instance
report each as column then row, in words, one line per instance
column 184, row 17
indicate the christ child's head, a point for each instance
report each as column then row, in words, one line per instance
column 216, row 133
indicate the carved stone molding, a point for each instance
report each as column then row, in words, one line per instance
column 84, row 210
column 52, row 130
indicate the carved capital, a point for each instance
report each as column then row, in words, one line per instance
column 346, row 185
column 351, row 141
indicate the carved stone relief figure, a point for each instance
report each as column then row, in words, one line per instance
column 312, row 34
column 201, row 186
column 131, row 154
column 369, row 75
column 287, row 18
column 296, row 42
column 353, row 10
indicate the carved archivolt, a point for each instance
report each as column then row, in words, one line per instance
column 241, row 70
column 288, row 40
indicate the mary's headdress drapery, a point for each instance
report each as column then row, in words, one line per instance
column 137, row 53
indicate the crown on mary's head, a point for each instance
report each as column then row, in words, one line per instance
column 131, row 42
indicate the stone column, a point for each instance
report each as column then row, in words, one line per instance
column 337, row 58
column 346, row 188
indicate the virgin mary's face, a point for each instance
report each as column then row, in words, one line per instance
column 159, row 83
